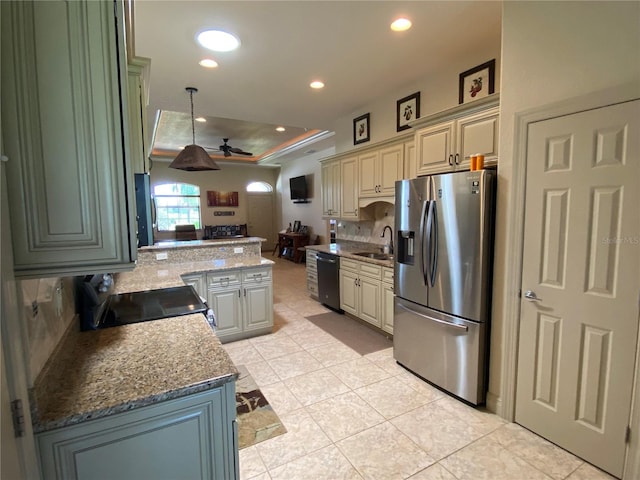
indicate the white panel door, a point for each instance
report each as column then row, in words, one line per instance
column 260, row 218
column 582, row 260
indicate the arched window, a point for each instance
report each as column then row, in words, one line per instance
column 259, row 187
column 177, row 204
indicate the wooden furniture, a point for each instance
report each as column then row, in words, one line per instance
column 289, row 243
column 186, row 232
column 188, row 437
column 66, row 134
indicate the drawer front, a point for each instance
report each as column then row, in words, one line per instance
column 223, row 279
column 387, row 274
column 348, row 264
column 312, row 287
column 370, row 270
column 256, row 275
column 312, row 277
column 311, row 256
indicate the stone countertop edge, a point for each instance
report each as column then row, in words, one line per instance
column 165, row 275
column 171, row 244
column 127, row 367
column 347, row 249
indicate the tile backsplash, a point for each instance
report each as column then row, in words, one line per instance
column 368, row 231
column 47, row 311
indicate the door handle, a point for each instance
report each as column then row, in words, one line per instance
column 436, row 320
column 531, row 295
column 450, row 159
column 457, row 159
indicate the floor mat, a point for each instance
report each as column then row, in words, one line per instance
column 359, row 337
column 257, row 421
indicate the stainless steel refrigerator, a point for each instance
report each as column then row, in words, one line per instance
column 443, row 263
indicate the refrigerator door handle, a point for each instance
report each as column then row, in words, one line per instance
column 443, row 322
column 433, row 243
column 429, row 272
column 424, row 224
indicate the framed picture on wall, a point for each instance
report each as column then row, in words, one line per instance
column 361, row 129
column 296, row 226
column 222, row 199
column 477, row 82
column 407, row 109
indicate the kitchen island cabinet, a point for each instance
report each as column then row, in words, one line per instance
column 242, row 301
column 145, row 400
column 190, row 437
column 66, row 134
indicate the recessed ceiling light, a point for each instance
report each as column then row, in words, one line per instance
column 201, row 119
column 316, row 84
column 208, row 63
column 280, row 129
column 401, row 24
column 218, row 41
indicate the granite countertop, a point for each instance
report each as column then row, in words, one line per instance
column 98, row 373
column 347, row 249
column 170, row 244
column 103, row 372
column 165, row 275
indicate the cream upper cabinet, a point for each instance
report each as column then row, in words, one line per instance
column 369, row 174
column 410, row 167
column 447, row 145
column 330, row 173
column 434, row 147
column 380, row 169
column 478, row 133
column 66, row 133
column 349, row 187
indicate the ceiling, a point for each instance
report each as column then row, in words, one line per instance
column 284, row 46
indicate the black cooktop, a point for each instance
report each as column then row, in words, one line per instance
column 135, row 307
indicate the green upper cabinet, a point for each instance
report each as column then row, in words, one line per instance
column 138, row 84
column 66, row 133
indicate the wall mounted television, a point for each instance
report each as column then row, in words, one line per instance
column 298, row 188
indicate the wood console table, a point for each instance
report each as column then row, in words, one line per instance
column 289, row 243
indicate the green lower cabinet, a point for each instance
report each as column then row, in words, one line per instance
column 192, row 437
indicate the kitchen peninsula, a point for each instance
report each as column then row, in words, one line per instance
column 157, row 396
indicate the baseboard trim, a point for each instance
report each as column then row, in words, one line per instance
column 494, row 404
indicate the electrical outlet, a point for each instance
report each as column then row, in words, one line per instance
column 162, row 256
column 238, row 249
column 57, row 300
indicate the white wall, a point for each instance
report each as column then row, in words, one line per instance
column 309, row 214
column 230, row 178
column 438, row 92
column 551, row 51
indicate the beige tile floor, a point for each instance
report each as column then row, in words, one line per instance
column 364, row 417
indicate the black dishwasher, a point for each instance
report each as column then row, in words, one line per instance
column 329, row 280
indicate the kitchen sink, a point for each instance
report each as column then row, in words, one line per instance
column 374, row 255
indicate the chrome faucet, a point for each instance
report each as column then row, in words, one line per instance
column 391, row 241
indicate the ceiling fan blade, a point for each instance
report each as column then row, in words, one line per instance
column 239, row 151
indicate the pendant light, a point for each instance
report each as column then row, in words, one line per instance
column 193, row 158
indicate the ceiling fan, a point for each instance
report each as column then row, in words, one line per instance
column 228, row 150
